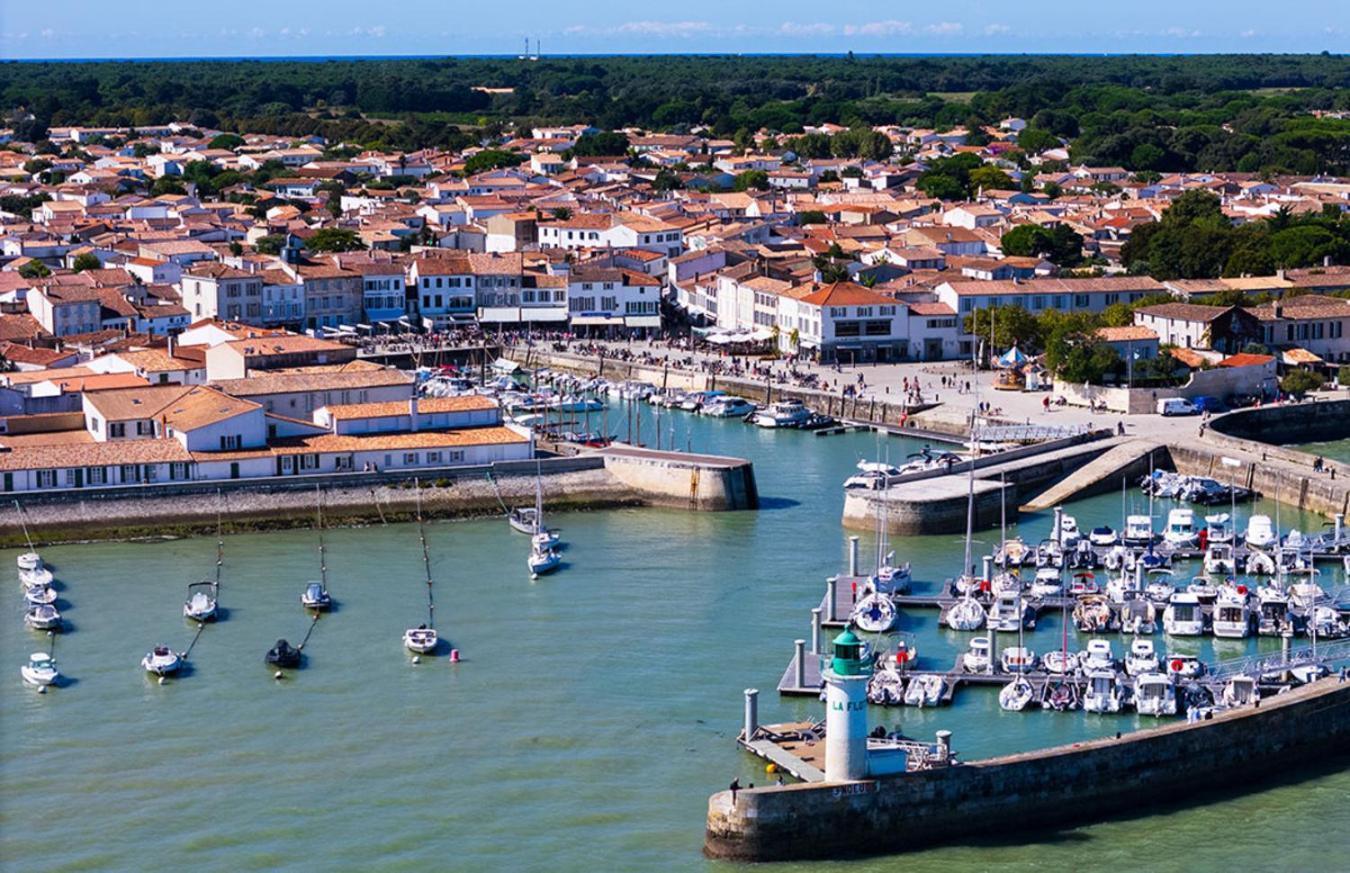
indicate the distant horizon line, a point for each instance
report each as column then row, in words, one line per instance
column 620, row 54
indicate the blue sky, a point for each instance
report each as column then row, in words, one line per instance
column 160, row 28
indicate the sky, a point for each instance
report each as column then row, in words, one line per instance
column 265, row 28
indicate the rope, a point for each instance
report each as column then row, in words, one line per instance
column 506, row 510
column 201, row 626
column 376, row 500
column 313, row 622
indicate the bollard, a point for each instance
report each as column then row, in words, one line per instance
column 1138, row 576
column 815, row 631
column 1058, row 534
column 989, row 569
column 830, row 585
column 1339, row 521
column 751, row 712
column 944, row 745
column 853, row 556
column 799, row 662
column 993, row 649
column 1286, row 643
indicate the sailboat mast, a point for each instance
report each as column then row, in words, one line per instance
column 318, row 515
column 426, row 557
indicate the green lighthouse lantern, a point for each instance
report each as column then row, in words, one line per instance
column 848, row 655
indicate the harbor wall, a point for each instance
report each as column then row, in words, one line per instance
column 1218, row 382
column 1048, row 789
column 183, row 508
column 704, row 482
column 1287, row 423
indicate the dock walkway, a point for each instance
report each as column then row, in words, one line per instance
column 1103, row 473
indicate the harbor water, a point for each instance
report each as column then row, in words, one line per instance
column 591, row 715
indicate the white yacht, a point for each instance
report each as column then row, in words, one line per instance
column 1260, row 533
column 1143, row 658
column 1015, row 696
column 1155, row 695
column 43, row 616
column 1104, row 693
column 40, row 670
column 1232, row 613
column 1103, row 536
column 1138, row 530
column 966, row 614
column 1241, row 690
column 1182, row 617
column 977, row 658
column 1180, row 531
column 1219, row 528
column 873, row 476
column 783, row 413
column 201, row 601
column 1219, row 560
column 1098, row 656
column 162, row 661
column 728, row 407
column 874, row 613
column 1018, row 659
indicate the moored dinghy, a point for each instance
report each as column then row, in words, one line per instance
column 43, row 616
column 201, row 601
column 162, row 661
column 925, row 690
column 283, row 654
column 40, row 670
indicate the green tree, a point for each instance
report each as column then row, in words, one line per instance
column 334, row 239
column 269, row 245
column 990, row 179
column 601, row 144
column 756, row 179
column 229, row 141
column 1013, row 326
column 86, row 261
column 34, row 270
column 562, row 213
column 1300, row 382
column 812, row 216
column 1059, row 244
column 1033, row 141
column 492, row 159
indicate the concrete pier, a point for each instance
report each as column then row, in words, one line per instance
column 684, row 480
column 1129, row 460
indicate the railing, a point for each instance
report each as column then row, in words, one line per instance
column 1274, row 662
column 1029, row 433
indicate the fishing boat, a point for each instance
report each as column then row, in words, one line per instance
column 1155, row 695
column 1219, row 559
column 1240, row 690
column 543, row 561
column 1219, row 528
column 966, row 614
column 43, row 616
column 201, row 601
column 1018, row 659
column 925, row 690
column 783, row 413
column 1180, row 531
column 1097, row 656
column 1182, row 617
column 1138, row 530
column 1272, row 611
column 976, row 658
column 283, row 654
column 315, row 596
column 886, row 688
column 40, row 670
column 1142, row 658
column 1260, row 533
column 1060, row 662
column 162, row 661
column 1103, row 536
column 1015, row 696
column 1232, row 613
column 874, row 613
column 39, row 595
column 1104, row 693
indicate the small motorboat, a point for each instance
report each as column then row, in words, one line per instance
column 1083, row 556
column 873, row 476
column 543, row 561
column 1049, row 554
column 43, row 616
column 1219, row 528
column 29, row 560
column 1068, row 531
column 728, row 407
column 1185, row 667
column 545, row 539
column 1305, row 593
column 523, row 520
column 40, row 575
column 1160, row 587
column 1103, row 536
column 1104, row 693
column 1183, row 617
column 315, row 596
column 925, row 690
column 1260, row 533
column 283, row 654
column 1325, row 622
column 1232, row 613
column 1083, row 584
column 1272, row 611
column 1155, row 695
column 1007, row 583
column 1047, row 583
column 1138, row 530
column 891, row 579
column 1061, row 697
column 886, row 688
column 421, row 639
column 201, row 601
column 40, row 670
column 1143, row 658
column 783, row 413
column 966, row 614
column 1018, row 659
column 1204, row 589
column 1015, row 696
column 1013, row 553
column 977, row 658
column 1092, row 614
column 1219, row 560
column 1009, row 613
column 1139, row 616
column 874, row 613
column 1118, row 558
column 1098, row 656
column 162, row 661
column 1260, row 564
column 1180, row 531
column 1060, row 662
column 1241, row 690
column 39, row 595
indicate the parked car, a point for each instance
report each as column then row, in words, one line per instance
column 1177, row 406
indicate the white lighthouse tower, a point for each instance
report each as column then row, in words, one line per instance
column 846, row 710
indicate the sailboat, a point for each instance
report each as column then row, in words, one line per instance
column 203, row 598
column 888, row 579
column 423, row 638
column 30, row 563
column 315, row 595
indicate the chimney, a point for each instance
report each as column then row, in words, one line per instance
column 170, row 340
column 412, row 412
column 1279, row 274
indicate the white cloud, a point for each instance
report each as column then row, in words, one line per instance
column 793, row 28
column 1248, row 34
column 1181, row 32
column 889, row 27
column 376, row 31
column 257, row 33
column 48, row 33
column 996, row 29
column 945, row 28
column 665, row 28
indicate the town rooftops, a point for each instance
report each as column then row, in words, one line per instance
column 1184, row 311
column 846, row 294
column 427, row 406
column 1246, row 360
column 1127, row 333
column 260, row 384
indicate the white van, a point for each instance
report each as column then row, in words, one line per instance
column 1177, row 406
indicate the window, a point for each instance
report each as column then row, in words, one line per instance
column 178, row 470
column 433, row 457
column 97, row 475
column 145, row 427
column 46, row 478
column 131, row 473
column 230, row 442
column 457, row 457
column 409, row 459
column 309, row 462
column 72, row 478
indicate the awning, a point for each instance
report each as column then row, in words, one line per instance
column 643, row 320
column 543, row 315
column 588, row 320
column 499, row 314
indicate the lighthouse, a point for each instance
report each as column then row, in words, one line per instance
column 846, row 710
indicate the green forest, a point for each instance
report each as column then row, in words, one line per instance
column 1149, row 113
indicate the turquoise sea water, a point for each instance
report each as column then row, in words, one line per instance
column 592, row 715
